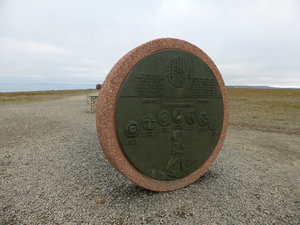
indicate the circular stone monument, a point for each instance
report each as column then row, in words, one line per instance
column 162, row 114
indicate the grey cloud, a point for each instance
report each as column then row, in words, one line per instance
column 252, row 42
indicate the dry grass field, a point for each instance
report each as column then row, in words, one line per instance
column 41, row 95
column 265, row 109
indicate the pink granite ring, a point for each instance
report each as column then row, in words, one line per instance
column 106, row 114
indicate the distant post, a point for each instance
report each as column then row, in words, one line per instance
column 92, row 100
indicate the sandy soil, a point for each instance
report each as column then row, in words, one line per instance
column 52, row 171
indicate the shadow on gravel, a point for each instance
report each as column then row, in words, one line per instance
column 209, row 176
column 141, row 190
column 134, row 190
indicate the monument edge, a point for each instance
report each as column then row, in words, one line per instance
column 105, row 113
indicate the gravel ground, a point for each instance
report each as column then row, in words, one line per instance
column 52, row 171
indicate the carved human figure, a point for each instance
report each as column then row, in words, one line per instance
column 175, row 164
column 149, row 121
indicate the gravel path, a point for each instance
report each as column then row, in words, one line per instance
column 53, row 171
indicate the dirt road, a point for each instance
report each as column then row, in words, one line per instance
column 52, row 171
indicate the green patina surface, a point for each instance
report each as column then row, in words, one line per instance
column 169, row 114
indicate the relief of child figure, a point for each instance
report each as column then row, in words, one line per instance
column 175, row 164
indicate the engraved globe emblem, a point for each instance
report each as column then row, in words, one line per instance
column 164, row 117
column 179, row 72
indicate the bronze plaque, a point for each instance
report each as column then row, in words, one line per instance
column 169, row 114
column 162, row 114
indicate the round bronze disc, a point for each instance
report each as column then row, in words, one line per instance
column 162, row 114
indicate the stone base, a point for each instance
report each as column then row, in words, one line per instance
column 92, row 103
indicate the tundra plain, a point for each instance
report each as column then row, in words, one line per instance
column 52, row 169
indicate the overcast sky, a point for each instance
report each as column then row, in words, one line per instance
column 77, row 42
